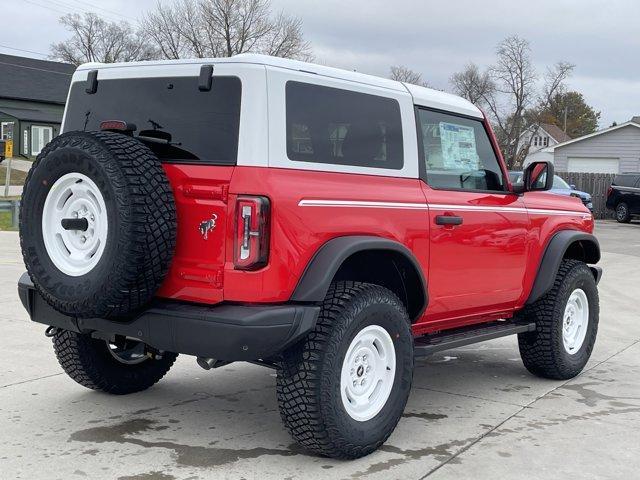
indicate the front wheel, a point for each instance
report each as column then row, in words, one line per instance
column 119, row 367
column 566, row 324
column 342, row 391
column 623, row 215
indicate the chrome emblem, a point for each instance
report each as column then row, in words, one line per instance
column 207, row 225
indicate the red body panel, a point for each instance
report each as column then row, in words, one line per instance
column 478, row 271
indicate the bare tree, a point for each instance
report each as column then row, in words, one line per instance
column 472, row 84
column 509, row 92
column 222, row 28
column 405, row 74
column 95, row 40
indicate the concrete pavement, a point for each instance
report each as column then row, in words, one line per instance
column 474, row 412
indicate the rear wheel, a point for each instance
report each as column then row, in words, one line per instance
column 119, row 367
column 566, row 324
column 342, row 391
column 623, row 215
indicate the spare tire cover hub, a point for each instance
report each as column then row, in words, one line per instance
column 75, row 196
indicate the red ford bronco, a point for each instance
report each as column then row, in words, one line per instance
column 331, row 225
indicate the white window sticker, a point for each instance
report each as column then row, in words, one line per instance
column 458, row 147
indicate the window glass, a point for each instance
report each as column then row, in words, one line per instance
column 457, row 153
column 172, row 116
column 342, row 127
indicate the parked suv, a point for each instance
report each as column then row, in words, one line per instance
column 623, row 196
column 331, row 225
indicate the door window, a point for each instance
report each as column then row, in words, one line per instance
column 456, row 153
column 342, row 127
column 40, row 136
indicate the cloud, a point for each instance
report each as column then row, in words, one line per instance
column 434, row 38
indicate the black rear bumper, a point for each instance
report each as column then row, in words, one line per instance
column 224, row 332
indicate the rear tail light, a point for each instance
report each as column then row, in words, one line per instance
column 609, row 190
column 251, row 244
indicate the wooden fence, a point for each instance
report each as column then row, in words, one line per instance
column 594, row 183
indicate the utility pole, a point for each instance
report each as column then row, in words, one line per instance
column 565, row 118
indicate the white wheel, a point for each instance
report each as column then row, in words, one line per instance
column 575, row 321
column 75, row 250
column 368, row 371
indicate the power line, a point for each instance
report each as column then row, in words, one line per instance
column 67, row 7
column 44, row 6
column 23, row 50
column 104, row 9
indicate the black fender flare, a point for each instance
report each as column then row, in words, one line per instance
column 556, row 251
column 322, row 268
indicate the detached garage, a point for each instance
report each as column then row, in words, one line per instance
column 593, row 165
column 612, row 150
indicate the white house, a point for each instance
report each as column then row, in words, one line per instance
column 541, row 140
column 612, row 150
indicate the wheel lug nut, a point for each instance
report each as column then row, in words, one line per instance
column 355, row 383
column 83, row 239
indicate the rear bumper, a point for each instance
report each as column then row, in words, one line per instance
column 223, row 332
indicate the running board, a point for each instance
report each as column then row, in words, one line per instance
column 429, row 344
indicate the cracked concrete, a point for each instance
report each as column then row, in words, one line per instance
column 474, row 412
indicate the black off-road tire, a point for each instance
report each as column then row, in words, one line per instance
column 141, row 220
column 623, row 214
column 308, row 381
column 542, row 351
column 88, row 361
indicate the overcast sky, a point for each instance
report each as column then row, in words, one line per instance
column 435, row 38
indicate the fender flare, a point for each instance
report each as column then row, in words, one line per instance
column 554, row 254
column 322, row 268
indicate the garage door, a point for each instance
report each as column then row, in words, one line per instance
column 593, row 165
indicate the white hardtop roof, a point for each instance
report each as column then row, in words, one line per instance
column 422, row 96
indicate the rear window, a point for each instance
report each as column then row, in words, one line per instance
column 176, row 120
column 342, row 127
column 626, row 180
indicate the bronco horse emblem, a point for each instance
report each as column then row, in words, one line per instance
column 208, row 225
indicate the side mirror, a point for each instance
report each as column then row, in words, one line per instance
column 572, row 186
column 538, row 176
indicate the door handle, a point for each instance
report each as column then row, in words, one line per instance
column 448, row 220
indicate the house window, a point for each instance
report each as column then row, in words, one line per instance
column 40, row 136
column 546, row 141
column 7, row 131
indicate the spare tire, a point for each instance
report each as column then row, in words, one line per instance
column 97, row 224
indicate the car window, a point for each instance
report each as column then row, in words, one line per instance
column 457, row 153
column 188, row 125
column 558, row 182
column 342, row 127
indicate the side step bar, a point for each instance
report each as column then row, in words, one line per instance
column 429, row 344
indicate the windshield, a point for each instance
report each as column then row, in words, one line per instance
column 172, row 116
column 560, row 183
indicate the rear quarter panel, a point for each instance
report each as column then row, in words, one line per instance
column 297, row 232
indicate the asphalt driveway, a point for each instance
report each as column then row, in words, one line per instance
column 474, row 412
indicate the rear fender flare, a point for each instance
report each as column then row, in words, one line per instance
column 321, row 270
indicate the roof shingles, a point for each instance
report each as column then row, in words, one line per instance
column 36, row 80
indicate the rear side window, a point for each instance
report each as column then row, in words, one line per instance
column 626, row 180
column 172, row 116
column 342, row 127
column 457, row 154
